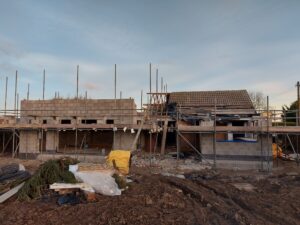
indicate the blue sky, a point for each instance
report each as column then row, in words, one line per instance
column 196, row 45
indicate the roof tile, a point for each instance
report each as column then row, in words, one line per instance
column 234, row 99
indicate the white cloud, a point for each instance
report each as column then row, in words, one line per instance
column 226, row 51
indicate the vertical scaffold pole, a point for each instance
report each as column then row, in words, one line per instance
column 5, row 100
column 215, row 135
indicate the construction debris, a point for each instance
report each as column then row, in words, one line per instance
column 83, row 167
column 205, row 197
column 173, row 175
column 100, row 180
column 48, row 173
column 69, row 192
column 169, row 164
column 11, row 180
column 121, row 181
column 61, row 187
column 10, row 193
column 71, row 199
column 244, row 186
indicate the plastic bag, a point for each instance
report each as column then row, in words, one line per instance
column 102, row 182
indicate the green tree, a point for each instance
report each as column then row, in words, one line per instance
column 289, row 112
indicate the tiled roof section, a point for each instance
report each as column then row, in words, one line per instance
column 232, row 99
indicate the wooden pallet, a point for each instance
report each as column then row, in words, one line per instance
column 65, row 188
column 92, row 167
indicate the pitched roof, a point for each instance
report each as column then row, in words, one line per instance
column 231, row 99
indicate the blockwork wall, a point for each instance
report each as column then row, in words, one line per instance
column 120, row 111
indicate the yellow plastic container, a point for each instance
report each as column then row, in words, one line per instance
column 120, row 160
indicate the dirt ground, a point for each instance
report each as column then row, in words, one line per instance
column 205, row 197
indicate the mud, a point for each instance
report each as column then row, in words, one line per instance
column 205, row 197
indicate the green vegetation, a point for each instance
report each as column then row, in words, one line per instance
column 50, row 172
column 289, row 112
column 120, row 180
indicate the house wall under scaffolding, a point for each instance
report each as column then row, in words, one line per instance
column 242, row 146
column 254, row 154
column 89, row 131
column 76, row 126
column 224, row 129
column 30, row 143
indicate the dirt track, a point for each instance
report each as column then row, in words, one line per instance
column 204, row 198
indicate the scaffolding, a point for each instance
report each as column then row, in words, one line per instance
column 154, row 118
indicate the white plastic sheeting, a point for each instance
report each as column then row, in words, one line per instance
column 101, row 181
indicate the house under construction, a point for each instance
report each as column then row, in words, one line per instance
column 219, row 127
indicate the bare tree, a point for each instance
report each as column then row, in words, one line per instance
column 258, row 99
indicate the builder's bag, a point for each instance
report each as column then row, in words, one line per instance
column 120, row 160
